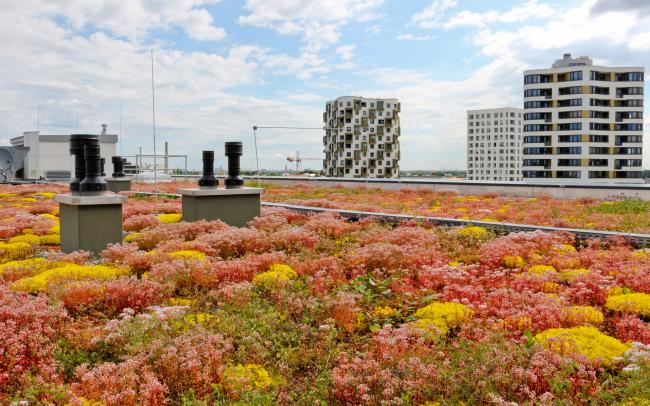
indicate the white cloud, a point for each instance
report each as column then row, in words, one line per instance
column 529, row 10
column 434, row 16
column 346, row 52
column 640, row 41
column 430, row 16
column 411, row 37
column 70, row 74
column 317, row 22
column 270, row 12
column 132, row 19
column 433, row 110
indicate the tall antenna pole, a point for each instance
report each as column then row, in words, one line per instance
column 77, row 122
column 38, row 117
column 257, row 161
column 119, row 138
column 153, row 111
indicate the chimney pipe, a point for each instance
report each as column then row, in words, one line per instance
column 104, row 129
column 208, row 180
column 77, row 144
column 93, row 182
column 234, row 152
column 118, row 167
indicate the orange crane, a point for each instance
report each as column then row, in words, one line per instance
column 298, row 160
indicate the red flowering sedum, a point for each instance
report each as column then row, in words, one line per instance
column 314, row 309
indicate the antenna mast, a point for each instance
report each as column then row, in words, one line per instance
column 153, row 112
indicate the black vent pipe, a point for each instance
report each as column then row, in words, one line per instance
column 234, row 151
column 93, row 182
column 118, row 167
column 77, row 144
column 208, row 180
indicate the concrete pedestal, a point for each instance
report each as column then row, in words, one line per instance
column 235, row 207
column 117, row 185
column 90, row 223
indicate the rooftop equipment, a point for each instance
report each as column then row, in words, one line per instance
column 208, row 180
column 94, row 182
column 234, row 152
column 118, row 166
column 78, row 143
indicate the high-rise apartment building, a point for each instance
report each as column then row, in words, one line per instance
column 494, row 144
column 361, row 138
column 583, row 123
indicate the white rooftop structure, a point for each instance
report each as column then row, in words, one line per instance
column 48, row 155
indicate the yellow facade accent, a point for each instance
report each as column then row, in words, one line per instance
column 553, row 174
column 612, row 76
column 585, row 137
column 585, row 89
column 585, row 162
column 612, row 174
column 552, row 150
column 585, row 113
column 553, row 103
column 612, row 103
column 554, row 79
column 611, row 126
column 611, row 150
column 553, row 127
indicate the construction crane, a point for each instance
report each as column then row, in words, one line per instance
column 298, row 160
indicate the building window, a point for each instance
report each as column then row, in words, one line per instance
column 576, row 75
column 570, row 138
column 569, row 150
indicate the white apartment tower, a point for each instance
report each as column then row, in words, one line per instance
column 583, row 123
column 361, row 138
column 494, row 144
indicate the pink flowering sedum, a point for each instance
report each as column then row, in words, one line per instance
column 313, row 309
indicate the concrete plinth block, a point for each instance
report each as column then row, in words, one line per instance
column 117, row 185
column 90, row 223
column 235, row 207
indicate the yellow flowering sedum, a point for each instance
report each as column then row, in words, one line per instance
column 569, row 275
column 14, row 251
column 131, row 237
column 30, row 239
column 583, row 314
column 45, row 195
column 564, row 248
column 170, row 218
column 241, row 378
column 442, row 316
column 385, row 311
column 277, row 274
column 181, row 301
column 50, row 239
column 638, row 303
column 475, row 232
column 513, row 261
column 71, row 272
column 188, row 254
column 587, row 341
column 541, row 269
column 27, row 264
column 198, row 318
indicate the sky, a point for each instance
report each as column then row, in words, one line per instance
column 223, row 66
